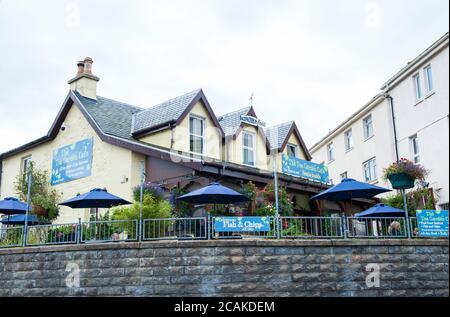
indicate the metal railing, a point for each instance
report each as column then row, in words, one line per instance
column 53, row 234
column 271, row 234
column 109, row 231
column 380, row 228
column 11, row 237
column 198, row 228
column 175, row 229
column 311, row 227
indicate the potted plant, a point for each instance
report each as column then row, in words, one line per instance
column 404, row 173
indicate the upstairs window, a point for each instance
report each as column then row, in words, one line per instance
column 330, row 152
column 368, row 127
column 415, row 152
column 292, row 150
column 196, row 134
column 417, row 86
column 249, row 148
column 370, row 170
column 26, row 163
column 348, row 140
column 429, row 78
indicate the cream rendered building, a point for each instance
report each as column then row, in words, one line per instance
column 181, row 143
column 408, row 118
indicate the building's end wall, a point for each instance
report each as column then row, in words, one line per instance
column 111, row 165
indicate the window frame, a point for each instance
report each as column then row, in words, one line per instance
column 194, row 135
column 24, row 166
column 414, row 144
column 245, row 147
column 365, row 125
column 429, row 84
column 330, row 146
column 370, row 169
column 418, row 93
column 348, row 141
column 295, row 147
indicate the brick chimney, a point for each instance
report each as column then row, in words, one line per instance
column 85, row 82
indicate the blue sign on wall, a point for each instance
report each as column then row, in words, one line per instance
column 432, row 223
column 242, row 224
column 72, row 162
column 305, row 169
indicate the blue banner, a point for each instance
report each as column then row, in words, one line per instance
column 72, row 162
column 305, row 169
column 432, row 223
column 242, row 224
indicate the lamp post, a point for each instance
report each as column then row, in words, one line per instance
column 275, row 190
column 141, row 199
column 30, row 180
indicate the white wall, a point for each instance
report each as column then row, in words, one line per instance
column 377, row 146
column 428, row 119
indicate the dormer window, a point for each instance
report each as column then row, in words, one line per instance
column 196, row 134
column 249, row 148
column 292, row 150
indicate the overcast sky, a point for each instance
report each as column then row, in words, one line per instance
column 312, row 61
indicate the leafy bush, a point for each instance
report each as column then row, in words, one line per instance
column 180, row 208
column 415, row 200
column 149, row 188
column 285, row 205
column 43, row 197
column 153, row 206
column 404, row 166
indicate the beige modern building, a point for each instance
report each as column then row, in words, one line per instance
column 408, row 118
column 97, row 142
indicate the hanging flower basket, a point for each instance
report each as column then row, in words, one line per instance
column 401, row 181
column 404, row 173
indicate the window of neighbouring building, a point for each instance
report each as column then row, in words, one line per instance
column 348, row 140
column 370, row 173
column 292, row 150
column 429, row 78
column 368, row 127
column 417, row 86
column 415, row 151
column 196, row 134
column 249, row 148
column 330, row 152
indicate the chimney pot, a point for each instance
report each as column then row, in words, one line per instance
column 88, row 65
column 80, row 68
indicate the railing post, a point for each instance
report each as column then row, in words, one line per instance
column 209, row 226
column 78, row 231
column 344, row 226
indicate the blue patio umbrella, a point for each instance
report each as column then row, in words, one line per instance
column 96, row 198
column 12, row 206
column 214, row 193
column 349, row 189
column 20, row 220
column 381, row 210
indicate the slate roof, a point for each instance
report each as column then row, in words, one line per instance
column 277, row 134
column 230, row 122
column 113, row 117
column 166, row 112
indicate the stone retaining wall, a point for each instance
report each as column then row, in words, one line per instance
column 229, row 268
